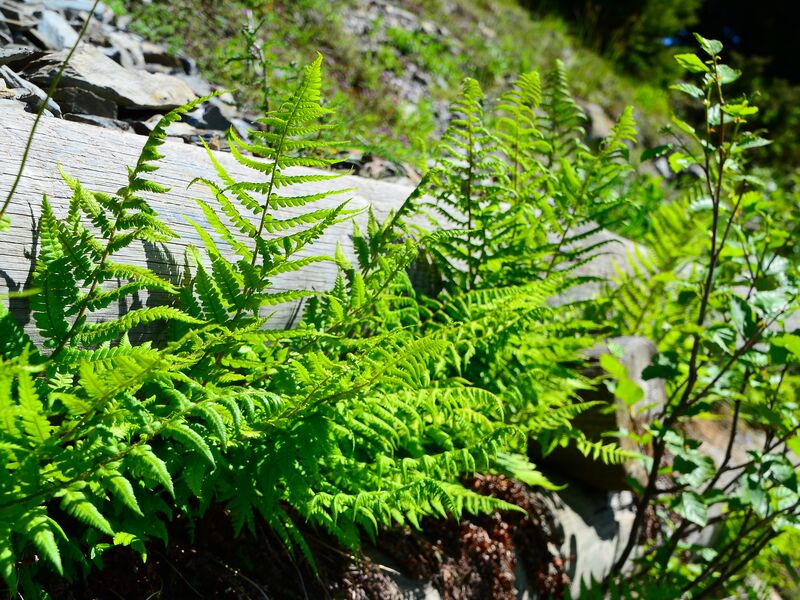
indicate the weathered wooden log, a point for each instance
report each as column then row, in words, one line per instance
column 99, row 157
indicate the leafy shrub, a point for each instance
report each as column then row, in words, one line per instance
column 717, row 292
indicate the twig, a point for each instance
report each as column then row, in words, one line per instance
column 50, row 91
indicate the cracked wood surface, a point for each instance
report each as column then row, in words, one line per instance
column 99, row 157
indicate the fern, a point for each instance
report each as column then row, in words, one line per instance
column 74, row 259
column 369, row 413
column 466, row 184
column 236, row 290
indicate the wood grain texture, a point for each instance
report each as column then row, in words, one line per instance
column 99, row 157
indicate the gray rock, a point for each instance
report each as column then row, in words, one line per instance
column 177, row 129
column 92, row 70
column 19, row 15
column 595, row 526
column 77, row 100
column 129, row 47
column 13, row 54
column 155, row 54
column 199, row 86
column 214, row 118
column 99, row 121
column 76, row 5
column 27, row 92
column 5, row 34
column 600, row 124
column 55, row 32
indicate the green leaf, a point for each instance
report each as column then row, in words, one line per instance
column 688, row 88
column 727, row 75
column 691, row 507
column 189, row 437
column 740, row 110
column 748, row 141
column 692, row 63
column 679, row 161
column 40, row 532
column 123, row 491
column 626, row 389
column 664, row 365
column 8, row 561
column 789, row 341
column 76, row 503
column 743, row 317
column 752, row 493
column 31, row 410
column 657, row 152
column 710, row 47
column 145, row 461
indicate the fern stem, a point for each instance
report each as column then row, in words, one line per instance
column 84, row 305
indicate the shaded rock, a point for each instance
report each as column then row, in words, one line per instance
column 213, row 118
column 13, row 54
column 99, row 121
column 158, row 55
column 92, row 70
column 595, row 526
column 79, row 101
column 612, row 415
column 150, row 68
column 600, row 125
column 28, row 93
column 5, row 34
column 55, row 32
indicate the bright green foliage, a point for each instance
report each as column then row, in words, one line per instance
column 366, row 415
column 468, row 183
column 717, row 290
column 388, row 390
column 527, row 194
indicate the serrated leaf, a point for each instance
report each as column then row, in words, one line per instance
column 189, row 437
column 76, row 503
column 143, row 459
column 123, row 491
column 38, row 528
